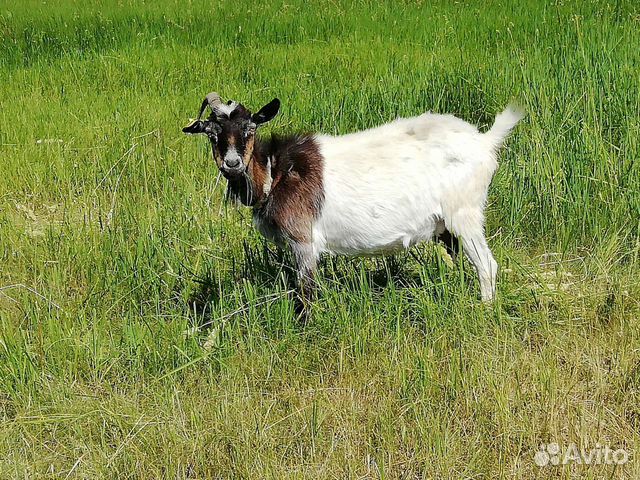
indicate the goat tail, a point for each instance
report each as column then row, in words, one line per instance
column 504, row 123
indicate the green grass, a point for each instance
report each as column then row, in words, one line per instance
column 146, row 330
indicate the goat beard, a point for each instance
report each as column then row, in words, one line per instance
column 240, row 190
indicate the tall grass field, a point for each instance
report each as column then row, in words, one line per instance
column 147, row 331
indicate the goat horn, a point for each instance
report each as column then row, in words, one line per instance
column 211, row 100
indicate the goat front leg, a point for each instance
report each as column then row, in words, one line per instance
column 306, row 260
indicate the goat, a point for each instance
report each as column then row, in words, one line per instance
column 375, row 191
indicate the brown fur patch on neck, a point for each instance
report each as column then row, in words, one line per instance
column 297, row 192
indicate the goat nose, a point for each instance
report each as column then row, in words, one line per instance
column 232, row 162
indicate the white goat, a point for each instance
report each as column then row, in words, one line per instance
column 375, row 191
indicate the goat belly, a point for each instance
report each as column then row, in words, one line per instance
column 354, row 233
column 362, row 217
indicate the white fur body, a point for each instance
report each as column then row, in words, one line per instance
column 399, row 184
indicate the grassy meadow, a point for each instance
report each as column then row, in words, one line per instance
column 147, row 331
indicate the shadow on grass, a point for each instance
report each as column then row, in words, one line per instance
column 262, row 266
column 265, row 267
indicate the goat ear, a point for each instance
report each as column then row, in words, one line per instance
column 197, row 126
column 267, row 112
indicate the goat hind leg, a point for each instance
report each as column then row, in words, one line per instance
column 478, row 252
